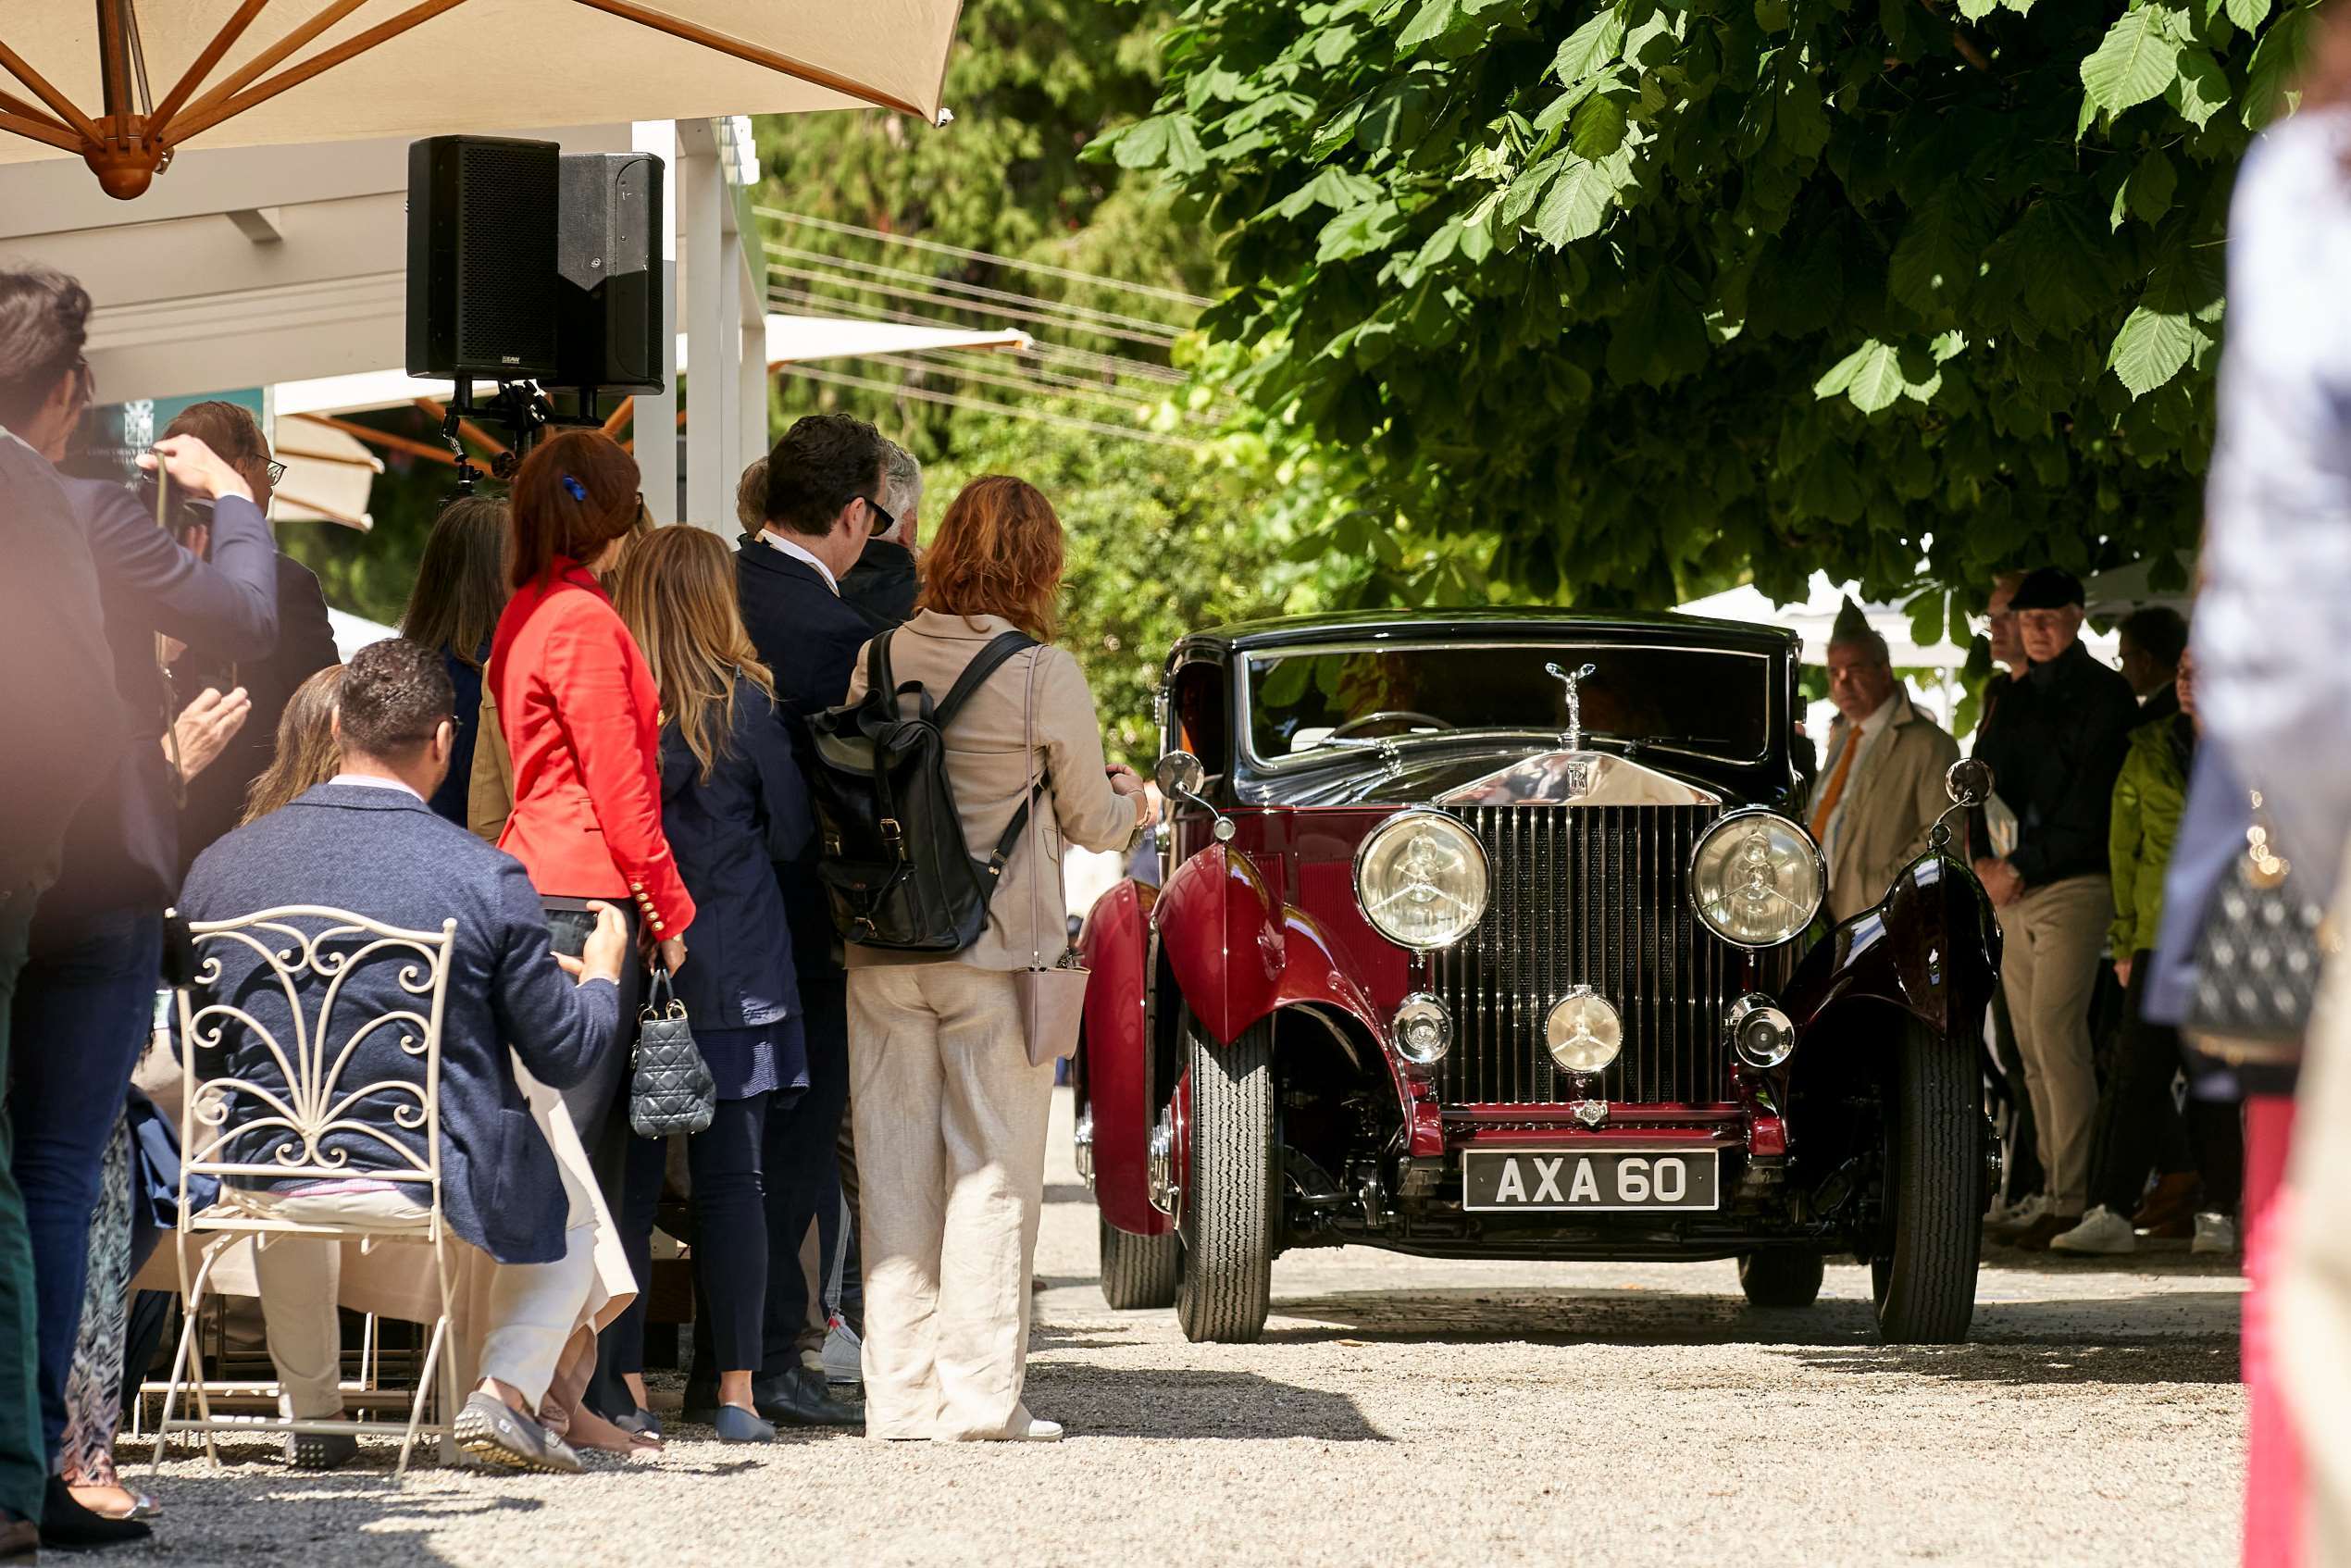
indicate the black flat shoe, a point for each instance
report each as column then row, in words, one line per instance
column 800, row 1398
column 640, row 1423
column 65, row 1522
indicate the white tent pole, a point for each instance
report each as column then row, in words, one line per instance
column 655, row 419
column 714, row 341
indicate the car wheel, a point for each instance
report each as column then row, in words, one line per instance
column 1781, row 1278
column 1923, row 1277
column 1231, row 1206
column 1137, row 1271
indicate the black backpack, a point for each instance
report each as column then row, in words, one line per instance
column 895, row 869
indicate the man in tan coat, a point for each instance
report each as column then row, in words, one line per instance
column 1881, row 782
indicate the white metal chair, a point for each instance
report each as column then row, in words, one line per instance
column 244, row 1084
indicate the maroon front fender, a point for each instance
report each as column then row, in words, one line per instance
column 1222, row 931
column 1115, row 1061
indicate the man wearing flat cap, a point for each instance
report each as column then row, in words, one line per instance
column 1881, row 779
column 2055, row 743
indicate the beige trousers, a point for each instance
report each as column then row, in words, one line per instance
column 950, row 1142
column 528, row 1314
column 2311, row 1296
column 2051, row 941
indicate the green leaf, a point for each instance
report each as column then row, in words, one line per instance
column 1976, row 10
column 1434, row 19
column 1331, row 187
column 1800, row 123
column 1599, row 128
column 1336, row 131
column 1528, row 188
column 1578, row 201
column 2149, row 191
column 2151, row 348
column 1873, row 376
column 1774, row 15
column 2202, row 89
column 2248, row 14
column 2277, row 60
column 2135, row 62
column 1936, row 260
column 1168, row 142
column 1589, row 48
column 1359, row 231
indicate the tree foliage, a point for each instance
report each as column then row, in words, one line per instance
column 1602, row 303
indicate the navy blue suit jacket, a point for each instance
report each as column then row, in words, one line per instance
column 63, row 726
column 727, row 832
column 808, row 635
column 381, row 852
column 123, row 849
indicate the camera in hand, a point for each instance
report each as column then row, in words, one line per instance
column 179, row 512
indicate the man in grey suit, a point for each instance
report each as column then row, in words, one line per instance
column 366, row 843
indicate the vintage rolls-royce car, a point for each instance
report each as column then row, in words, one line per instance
column 1497, row 934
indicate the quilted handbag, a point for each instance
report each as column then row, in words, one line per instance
column 2264, row 943
column 670, row 1088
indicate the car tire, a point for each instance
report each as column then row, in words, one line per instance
column 1781, row 1278
column 1230, row 1210
column 1924, row 1279
column 1137, row 1271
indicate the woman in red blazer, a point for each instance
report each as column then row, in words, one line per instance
column 582, row 719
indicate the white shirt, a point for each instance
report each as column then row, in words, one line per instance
column 1866, row 735
column 370, row 781
column 794, row 551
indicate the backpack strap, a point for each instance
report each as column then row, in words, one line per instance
column 989, row 661
column 878, row 684
column 1010, row 841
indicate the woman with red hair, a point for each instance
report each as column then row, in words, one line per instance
column 582, row 719
column 950, row 1110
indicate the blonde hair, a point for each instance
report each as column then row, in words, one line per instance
column 676, row 592
column 306, row 753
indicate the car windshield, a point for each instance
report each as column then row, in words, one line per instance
column 1325, row 699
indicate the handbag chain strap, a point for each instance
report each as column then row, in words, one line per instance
column 2269, row 870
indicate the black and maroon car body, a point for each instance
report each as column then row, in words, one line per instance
column 1420, row 873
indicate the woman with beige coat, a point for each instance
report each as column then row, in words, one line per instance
column 950, row 1112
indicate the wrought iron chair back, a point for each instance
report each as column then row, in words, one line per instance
column 268, row 1102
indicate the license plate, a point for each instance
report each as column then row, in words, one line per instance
column 1600, row 1181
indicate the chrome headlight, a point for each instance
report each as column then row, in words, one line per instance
column 1756, row 878
column 1584, row 1032
column 1420, row 879
column 1423, row 1030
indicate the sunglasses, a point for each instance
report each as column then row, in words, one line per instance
column 883, row 521
column 276, row 472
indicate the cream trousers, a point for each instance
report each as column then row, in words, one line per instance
column 2050, row 941
column 530, row 1312
column 950, row 1152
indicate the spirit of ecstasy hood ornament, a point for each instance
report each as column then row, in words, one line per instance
column 1571, row 739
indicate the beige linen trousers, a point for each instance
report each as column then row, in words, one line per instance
column 2051, row 939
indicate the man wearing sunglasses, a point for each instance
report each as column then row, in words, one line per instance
column 304, row 642
column 882, row 585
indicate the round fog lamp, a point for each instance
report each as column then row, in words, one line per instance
column 1423, row 1030
column 1584, row 1032
column 1760, row 1033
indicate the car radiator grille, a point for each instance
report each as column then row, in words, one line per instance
column 1595, row 896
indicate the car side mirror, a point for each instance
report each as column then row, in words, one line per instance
column 1969, row 782
column 1181, row 775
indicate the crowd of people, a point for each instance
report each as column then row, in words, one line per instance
column 588, row 749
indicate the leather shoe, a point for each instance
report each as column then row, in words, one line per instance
column 800, row 1398
column 65, row 1522
column 2047, row 1228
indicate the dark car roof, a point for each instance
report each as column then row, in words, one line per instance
column 1405, row 626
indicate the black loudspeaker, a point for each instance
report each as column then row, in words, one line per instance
column 483, row 214
column 608, row 290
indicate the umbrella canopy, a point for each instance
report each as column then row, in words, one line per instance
column 329, row 476
column 121, row 83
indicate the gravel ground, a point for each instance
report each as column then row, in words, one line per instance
column 1404, row 1411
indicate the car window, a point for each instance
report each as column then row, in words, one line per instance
column 1307, row 701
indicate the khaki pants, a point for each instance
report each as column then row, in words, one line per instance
column 2311, row 1296
column 951, row 1137
column 2051, row 941
column 529, row 1312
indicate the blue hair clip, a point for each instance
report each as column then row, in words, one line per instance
column 578, row 490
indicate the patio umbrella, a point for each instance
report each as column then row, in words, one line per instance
column 121, row 83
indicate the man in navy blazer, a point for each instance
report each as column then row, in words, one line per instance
column 365, row 842
column 823, row 480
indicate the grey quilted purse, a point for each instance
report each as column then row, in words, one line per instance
column 2258, row 955
column 670, row 1088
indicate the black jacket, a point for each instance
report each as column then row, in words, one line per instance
column 808, row 637
column 2056, row 742
column 882, row 585
column 306, row 645
column 123, row 849
column 64, row 728
column 727, row 832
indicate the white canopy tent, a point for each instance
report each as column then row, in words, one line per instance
column 124, row 85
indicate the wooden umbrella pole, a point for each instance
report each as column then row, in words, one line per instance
column 325, row 18
column 384, row 439
column 40, row 127
column 434, row 406
column 743, row 49
column 198, row 118
column 59, row 103
column 201, row 67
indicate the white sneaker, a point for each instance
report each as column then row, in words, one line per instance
column 2101, row 1231
column 2216, row 1234
column 1039, row 1430
column 2018, row 1216
column 843, row 1355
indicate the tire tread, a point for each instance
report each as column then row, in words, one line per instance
column 1928, row 1294
column 1231, row 1204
